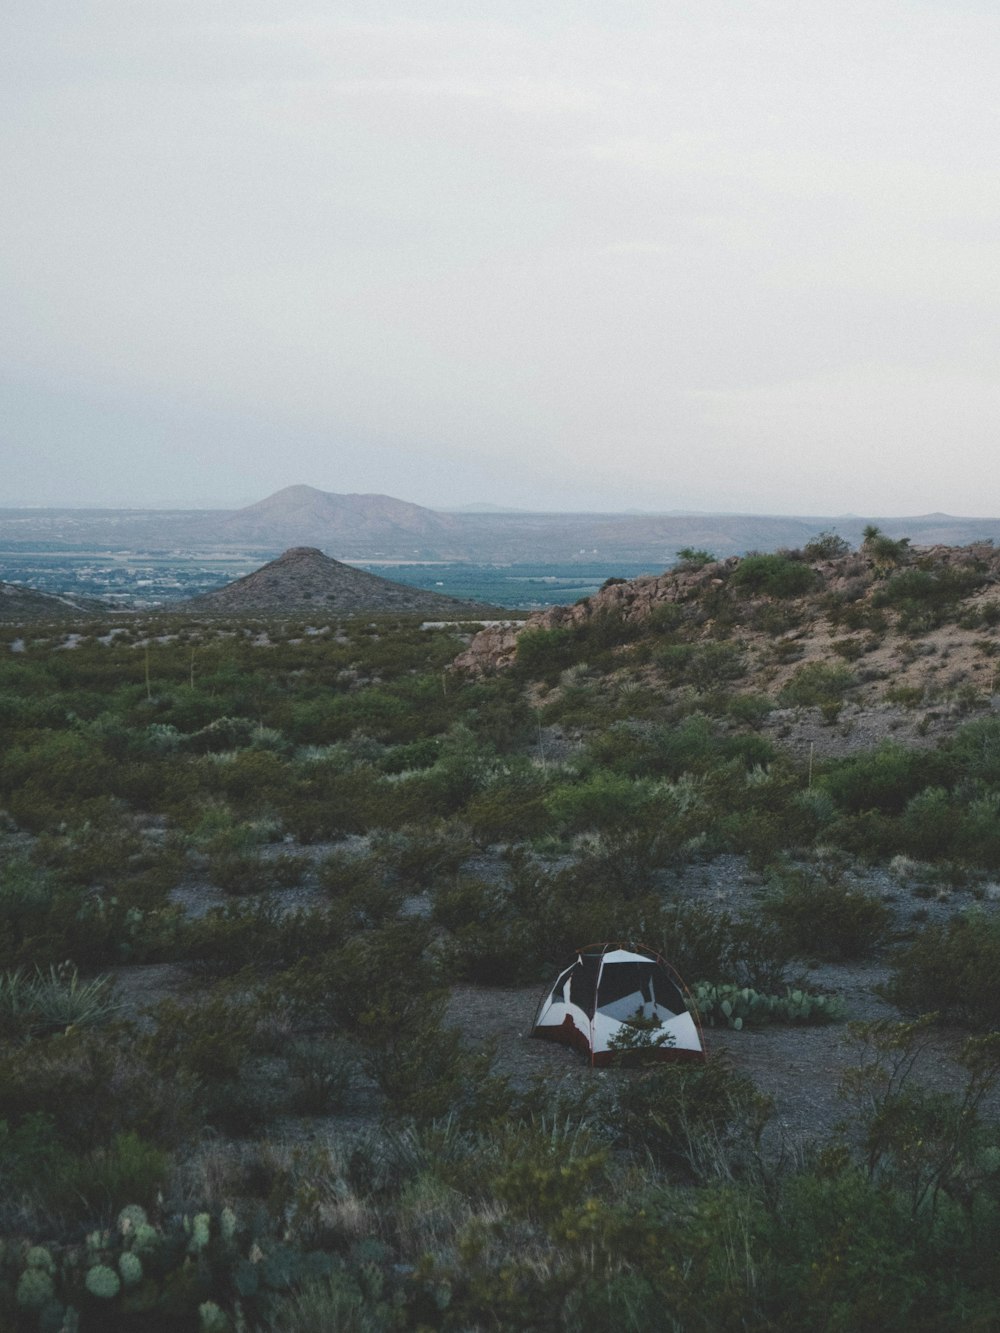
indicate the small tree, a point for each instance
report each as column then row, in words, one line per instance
column 884, row 552
column 825, row 546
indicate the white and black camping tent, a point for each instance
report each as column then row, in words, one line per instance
column 613, row 991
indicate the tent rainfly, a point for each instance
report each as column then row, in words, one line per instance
column 615, row 996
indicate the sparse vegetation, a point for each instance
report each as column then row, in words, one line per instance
column 319, row 836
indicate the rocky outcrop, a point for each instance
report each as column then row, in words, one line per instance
column 853, row 576
column 495, row 647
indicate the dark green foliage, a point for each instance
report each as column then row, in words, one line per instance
column 543, row 653
column 825, row 546
column 638, row 1199
column 819, row 915
column 773, row 576
column 927, row 597
column 884, row 552
column 684, row 1116
column 703, row 665
column 951, row 968
column 885, row 779
column 690, row 558
column 817, row 684
column 240, row 873
column 489, row 942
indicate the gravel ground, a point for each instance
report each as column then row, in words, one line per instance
column 798, row 1067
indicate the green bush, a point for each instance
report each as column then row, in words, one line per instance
column 817, row 684
column 825, row 546
column 820, row 916
column 694, row 1120
column 951, row 968
column 689, row 557
column 885, row 779
column 773, row 576
column 543, row 653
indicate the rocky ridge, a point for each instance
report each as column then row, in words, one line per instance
column 18, row 603
column 912, row 668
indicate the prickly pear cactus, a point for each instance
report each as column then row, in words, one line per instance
column 103, row 1282
column 34, row 1289
column 130, row 1268
column 211, row 1319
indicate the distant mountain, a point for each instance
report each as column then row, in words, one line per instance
column 364, row 527
column 341, row 523
column 18, row 603
column 304, row 581
column 481, row 507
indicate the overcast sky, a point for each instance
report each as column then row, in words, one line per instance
column 690, row 254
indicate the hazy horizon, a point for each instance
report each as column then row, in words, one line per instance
column 580, row 258
column 479, row 507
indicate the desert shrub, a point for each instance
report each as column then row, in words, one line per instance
column 748, row 709
column 511, row 806
column 870, row 835
column 605, row 629
column 840, row 1242
column 931, row 824
column 128, row 1170
column 975, row 751
column 849, row 649
column 418, row 856
column 689, row 557
column 489, row 942
column 884, row 552
column 244, row 873
column 825, row 546
column 324, row 1074
column 977, row 840
column 820, row 916
column 884, row 779
column 703, row 665
column 853, row 613
column 909, row 696
column 706, row 944
column 416, row 754
column 925, row 598
column 94, row 1084
column 543, row 653
column 691, row 1119
column 603, row 801
column 674, row 659
column 950, row 968
column 817, row 684
column 773, row 576
column 496, row 711
column 259, row 935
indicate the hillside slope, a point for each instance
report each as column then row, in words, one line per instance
column 18, row 603
column 303, row 579
column 834, row 651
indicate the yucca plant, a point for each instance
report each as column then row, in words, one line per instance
column 46, row 1001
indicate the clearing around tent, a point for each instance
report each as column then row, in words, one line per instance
column 620, row 1001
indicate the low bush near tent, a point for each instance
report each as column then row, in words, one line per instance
column 951, row 968
column 691, row 1118
column 818, row 915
